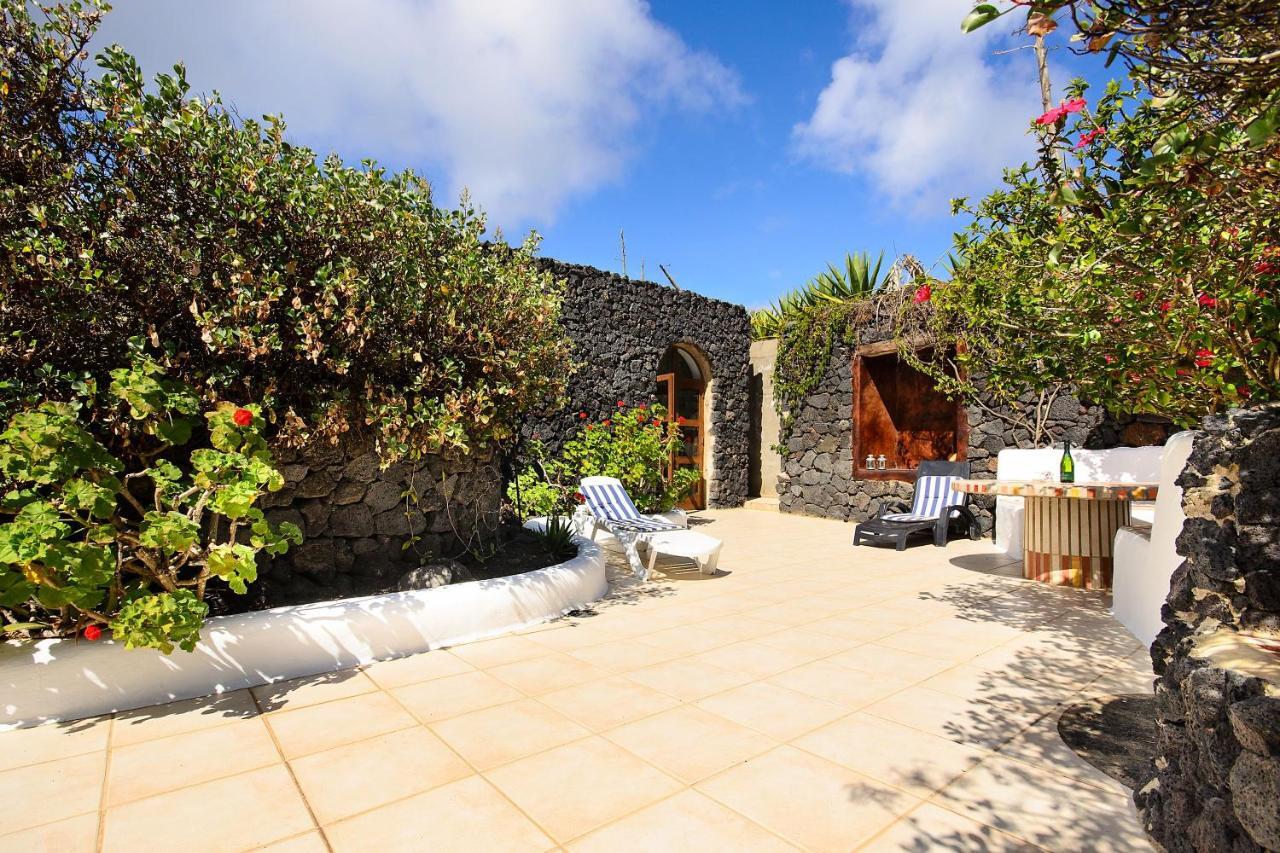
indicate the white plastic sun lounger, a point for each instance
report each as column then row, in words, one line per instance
column 612, row 509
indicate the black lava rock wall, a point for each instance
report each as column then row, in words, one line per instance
column 817, row 457
column 621, row 328
column 1215, row 783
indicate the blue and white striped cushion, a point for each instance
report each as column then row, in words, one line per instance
column 932, row 495
column 611, row 503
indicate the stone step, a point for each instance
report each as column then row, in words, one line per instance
column 762, row 504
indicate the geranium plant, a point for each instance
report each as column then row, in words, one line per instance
column 633, row 444
column 131, row 542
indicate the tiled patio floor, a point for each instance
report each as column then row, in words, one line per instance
column 813, row 696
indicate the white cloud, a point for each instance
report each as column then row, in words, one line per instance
column 528, row 103
column 923, row 110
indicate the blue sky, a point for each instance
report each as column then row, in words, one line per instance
column 745, row 145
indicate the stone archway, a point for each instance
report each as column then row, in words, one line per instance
column 684, row 386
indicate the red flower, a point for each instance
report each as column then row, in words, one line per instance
column 680, row 419
column 242, row 417
column 579, row 497
column 605, row 422
column 582, row 416
column 621, row 404
column 1182, row 372
column 657, row 422
column 1051, row 117
column 923, row 294
column 1243, row 391
column 642, row 407
column 1074, row 105
column 92, row 632
column 1204, row 357
column 1166, row 306
column 1109, row 358
column 1207, row 301
column 591, row 426
column 1087, row 138
column 1265, row 267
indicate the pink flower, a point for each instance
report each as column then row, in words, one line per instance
column 1204, row 357
column 621, row 404
column 582, row 416
column 1087, row 138
column 1051, row 117
column 242, row 417
column 1074, row 105
column 1109, row 358
column 1207, row 301
column 1166, row 306
column 923, row 294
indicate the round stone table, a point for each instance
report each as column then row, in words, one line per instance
column 1068, row 528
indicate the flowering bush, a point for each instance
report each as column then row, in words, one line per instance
column 339, row 298
column 92, row 540
column 633, row 444
column 1134, row 265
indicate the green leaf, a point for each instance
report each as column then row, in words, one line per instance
column 1261, row 129
column 170, row 532
column 982, row 14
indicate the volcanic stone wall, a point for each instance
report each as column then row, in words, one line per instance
column 364, row 526
column 621, row 328
column 1216, row 779
column 817, row 465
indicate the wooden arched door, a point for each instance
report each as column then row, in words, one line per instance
column 681, row 388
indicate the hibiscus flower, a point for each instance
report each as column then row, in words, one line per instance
column 242, row 417
column 1204, row 357
column 923, row 294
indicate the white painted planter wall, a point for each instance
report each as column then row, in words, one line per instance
column 67, row 679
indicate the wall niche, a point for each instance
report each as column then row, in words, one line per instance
column 900, row 415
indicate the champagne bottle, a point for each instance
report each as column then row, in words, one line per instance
column 1067, row 470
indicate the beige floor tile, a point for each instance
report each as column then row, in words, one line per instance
column 807, row 642
column 809, row 801
column 311, row 842
column 388, row 767
column 906, row 758
column 547, row 673
column 415, row 668
column 320, row 727
column 1045, row 807
column 685, row 640
column 973, row 682
column 930, row 827
column 575, row 788
column 882, row 660
column 155, row 766
column 688, row 679
column 609, row 702
column 51, row 791
column 312, row 689
column 177, row 718
column 237, row 813
column 690, row 743
column 623, row 655
column 52, row 741
column 1042, row 746
column 452, row 695
column 500, row 650
column 735, row 628
column 755, row 659
column 73, row 835
column 841, row 685
column 689, row 821
column 504, row 733
column 971, row 721
column 468, row 816
column 773, row 710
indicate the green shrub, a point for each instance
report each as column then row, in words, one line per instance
column 339, row 298
column 88, row 539
column 635, row 445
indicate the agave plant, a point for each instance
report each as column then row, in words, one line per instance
column 859, row 279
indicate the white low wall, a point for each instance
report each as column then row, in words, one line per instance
column 67, row 679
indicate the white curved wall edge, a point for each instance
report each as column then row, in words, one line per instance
column 49, row 680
